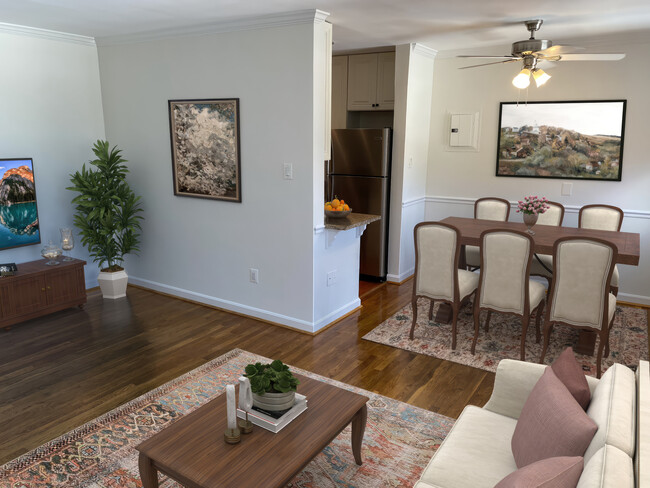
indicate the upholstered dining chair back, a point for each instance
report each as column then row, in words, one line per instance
column 600, row 217
column 505, row 268
column 492, row 208
column 580, row 290
column 554, row 215
column 436, row 260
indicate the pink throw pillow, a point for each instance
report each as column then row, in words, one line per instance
column 556, row 472
column 568, row 371
column 551, row 424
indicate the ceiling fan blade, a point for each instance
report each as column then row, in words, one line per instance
column 559, row 49
column 496, row 57
column 592, row 57
column 487, row 64
column 546, row 64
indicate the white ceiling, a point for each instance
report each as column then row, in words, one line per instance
column 449, row 25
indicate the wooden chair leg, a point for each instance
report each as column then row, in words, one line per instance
column 601, row 344
column 538, row 323
column 477, row 326
column 611, row 323
column 614, row 290
column 454, row 321
column 487, row 321
column 524, row 329
column 414, row 306
column 431, row 310
column 548, row 326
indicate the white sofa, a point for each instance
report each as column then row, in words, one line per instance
column 477, row 451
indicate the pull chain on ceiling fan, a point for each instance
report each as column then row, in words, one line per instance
column 532, row 51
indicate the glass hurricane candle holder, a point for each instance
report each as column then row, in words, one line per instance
column 51, row 252
column 67, row 242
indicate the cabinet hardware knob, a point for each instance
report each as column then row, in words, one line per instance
column 49, row 287
column 42, row 289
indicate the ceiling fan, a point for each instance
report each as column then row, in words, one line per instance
column 533, row 51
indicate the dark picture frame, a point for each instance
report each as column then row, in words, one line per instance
column 577, row 139
column 19, row 221
column 205, row 147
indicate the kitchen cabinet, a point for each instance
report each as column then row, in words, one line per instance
column 371, row 81
column 339, row 92
column 38, row 289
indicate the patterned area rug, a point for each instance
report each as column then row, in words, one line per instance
column 628, row 338
column 398, row 442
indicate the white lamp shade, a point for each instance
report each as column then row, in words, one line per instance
column 522, row 80
column 541, row 77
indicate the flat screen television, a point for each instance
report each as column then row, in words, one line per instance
column 18, row 211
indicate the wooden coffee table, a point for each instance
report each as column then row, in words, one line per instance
column 192, row 450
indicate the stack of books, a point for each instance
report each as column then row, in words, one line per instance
column 275, row 421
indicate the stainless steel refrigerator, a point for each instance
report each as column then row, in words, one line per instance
column 360, row 173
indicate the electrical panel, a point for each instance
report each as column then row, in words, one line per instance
column 463, row 131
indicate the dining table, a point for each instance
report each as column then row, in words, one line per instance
column 544, row 237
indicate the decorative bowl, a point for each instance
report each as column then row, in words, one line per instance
column 338, row 214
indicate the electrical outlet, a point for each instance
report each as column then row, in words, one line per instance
column 254, row 275
column 410, row 162
column 287, row 171
column 331, row 278
column 567, row 188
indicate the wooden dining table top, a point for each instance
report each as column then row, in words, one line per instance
column 627, row 243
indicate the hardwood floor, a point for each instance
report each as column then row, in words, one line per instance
column 61, row 371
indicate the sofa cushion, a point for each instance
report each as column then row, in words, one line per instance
column 568, row 371
column 551, row 424
column 609, row 467
column 476, row 452
column 613, row 408
column 556, row 472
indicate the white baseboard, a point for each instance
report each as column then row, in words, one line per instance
column 393, row 278
column 228, row 305
column 337, row 314
column 639, row 299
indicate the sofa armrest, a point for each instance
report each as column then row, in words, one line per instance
column 513, row 383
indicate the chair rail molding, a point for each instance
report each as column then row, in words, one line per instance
column 414, row 201
column 569, row 209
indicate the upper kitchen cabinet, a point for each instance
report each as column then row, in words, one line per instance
column 371, row 81
column 339, row 92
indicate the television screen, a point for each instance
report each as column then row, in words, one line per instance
column 18, row 212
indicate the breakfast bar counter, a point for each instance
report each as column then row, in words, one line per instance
column 350, row 222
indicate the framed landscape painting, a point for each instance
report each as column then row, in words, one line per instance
column 205, row 148
column 18, row 212
column 567, row 140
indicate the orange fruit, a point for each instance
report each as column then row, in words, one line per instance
column 342, row 202
column 336, row 202
column 328, row 207
column 346, row 207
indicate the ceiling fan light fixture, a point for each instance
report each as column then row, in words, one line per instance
column 522, row 80
column 540, row 77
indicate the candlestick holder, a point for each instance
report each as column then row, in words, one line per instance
column 232, row 436
column 245, row 425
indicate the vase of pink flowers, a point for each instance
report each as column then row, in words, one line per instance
column 531, row 207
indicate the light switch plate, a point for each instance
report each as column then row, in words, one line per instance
column 287, row 171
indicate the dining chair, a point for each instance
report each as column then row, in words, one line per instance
column 542, row 263
column 580, row 294
column 487, row 208
column 504, row 283
column 602, row 217
column 437, row 276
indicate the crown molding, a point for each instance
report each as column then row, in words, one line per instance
column 23, row 30
column 311, row 16
column 423, row 50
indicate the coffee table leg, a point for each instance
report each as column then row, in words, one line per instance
column 358, row 428
column 148, row 473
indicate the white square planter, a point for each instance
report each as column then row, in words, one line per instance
column 113, row 285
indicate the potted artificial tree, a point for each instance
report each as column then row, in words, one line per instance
column 107, row 216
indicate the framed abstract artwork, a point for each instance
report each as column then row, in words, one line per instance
column 206, row 148
column 18, row 211
column 567, row 140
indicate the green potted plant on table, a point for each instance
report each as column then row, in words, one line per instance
column 107, row 216
column 273, row 385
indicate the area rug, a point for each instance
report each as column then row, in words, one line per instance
column 398, row 443
column 628, row 338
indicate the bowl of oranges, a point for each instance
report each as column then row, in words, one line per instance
column 337, row 208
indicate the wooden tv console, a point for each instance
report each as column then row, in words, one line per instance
column 38, row 289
